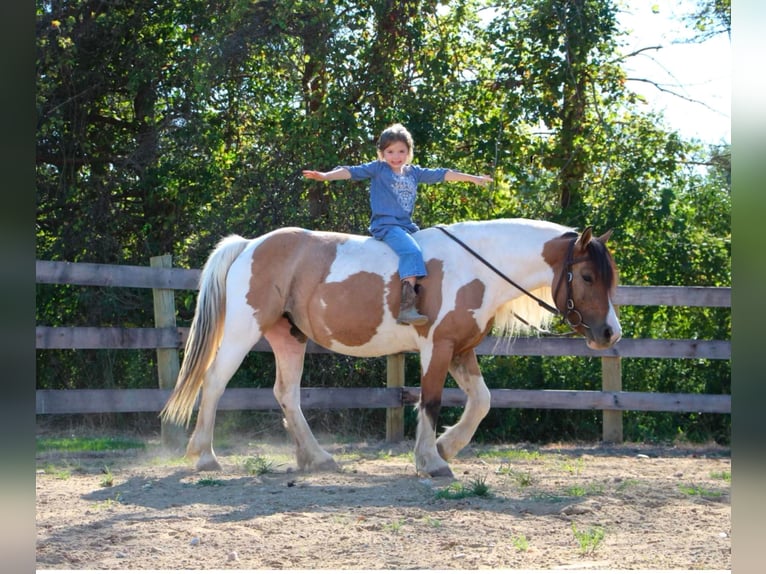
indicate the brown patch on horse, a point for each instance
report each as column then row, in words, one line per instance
column 459, row 325
column 285, row 267
column 288, row 277
column 348, row 312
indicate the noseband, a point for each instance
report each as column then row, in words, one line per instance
column 570, row 314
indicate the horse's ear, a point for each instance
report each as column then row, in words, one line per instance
column 605, row 237
column 585, row 237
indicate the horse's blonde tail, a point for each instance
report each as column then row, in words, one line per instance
column 206, row 330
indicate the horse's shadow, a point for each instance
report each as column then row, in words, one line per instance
column 239, row 499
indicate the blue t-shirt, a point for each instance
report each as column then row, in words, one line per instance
column 392, row 196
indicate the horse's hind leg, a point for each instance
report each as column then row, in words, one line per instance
column 465, row 370
column 228, row 359
column 289, row 352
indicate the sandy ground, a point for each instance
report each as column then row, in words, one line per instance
column 509, row 506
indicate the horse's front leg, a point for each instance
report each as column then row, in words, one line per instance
column 427, row 458
column 465, row 370
column 289, row 353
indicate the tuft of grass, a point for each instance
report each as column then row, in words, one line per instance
column 75, row 444
column 701, row 491
column 523, row 479
column 61, row 473
column 432, row 522
column 108, row 478
column 724, row 475
column 479, row 487
column 108, row 503
column 258, row 465
column 627, row 483
column 394, row 526
column 580, row 490
column 209, row 482
column 574, row 467
column 520, row 543
column 456, row 490
column 588, row 539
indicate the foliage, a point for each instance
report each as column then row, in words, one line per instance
column 164, row 125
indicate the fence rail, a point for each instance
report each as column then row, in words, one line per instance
column 166, row 337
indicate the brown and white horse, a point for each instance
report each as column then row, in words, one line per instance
column 342, row 291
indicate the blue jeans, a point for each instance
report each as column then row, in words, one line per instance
column 410, row 256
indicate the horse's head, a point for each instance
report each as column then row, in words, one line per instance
column 584, row 279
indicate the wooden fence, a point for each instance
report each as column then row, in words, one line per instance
column 167, row 339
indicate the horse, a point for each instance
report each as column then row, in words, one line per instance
column 342, row 291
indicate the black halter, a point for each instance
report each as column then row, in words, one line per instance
column 569, row 314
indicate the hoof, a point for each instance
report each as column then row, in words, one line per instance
column 327, row 465
column 208, row 465
column 442, row 472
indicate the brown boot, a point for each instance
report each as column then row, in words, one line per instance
column 408, row 314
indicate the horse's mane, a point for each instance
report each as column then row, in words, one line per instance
column 523, row 315
column 605, row 267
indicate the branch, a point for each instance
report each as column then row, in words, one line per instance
column 637, row 52
column 662, row 88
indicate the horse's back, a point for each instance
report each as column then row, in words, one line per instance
column 338, row 289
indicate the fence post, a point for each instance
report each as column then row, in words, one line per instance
column 611, row 380
column 395, row 415
column 172, row 435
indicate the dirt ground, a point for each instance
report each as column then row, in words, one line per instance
column 510, row 506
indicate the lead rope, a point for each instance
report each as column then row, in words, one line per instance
column 539, row 301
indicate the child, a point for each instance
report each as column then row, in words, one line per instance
column 393, row 190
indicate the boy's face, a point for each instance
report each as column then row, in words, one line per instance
column 396, row 155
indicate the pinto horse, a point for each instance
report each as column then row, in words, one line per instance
column 342, row 291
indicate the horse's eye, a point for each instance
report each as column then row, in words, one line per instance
column 587, row 278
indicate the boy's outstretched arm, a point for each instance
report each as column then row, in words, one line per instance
column 453, row 175
column 337, row 173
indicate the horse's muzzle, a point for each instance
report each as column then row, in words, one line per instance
column 603, row 337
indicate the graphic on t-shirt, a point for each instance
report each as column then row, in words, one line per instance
column 405, row 190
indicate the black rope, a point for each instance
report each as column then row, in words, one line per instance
column 539, row 301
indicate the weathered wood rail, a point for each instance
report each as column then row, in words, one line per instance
column 168, row 339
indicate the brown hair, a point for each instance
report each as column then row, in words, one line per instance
column 396, row 133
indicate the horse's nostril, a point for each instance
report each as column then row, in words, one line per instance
column 608, row 333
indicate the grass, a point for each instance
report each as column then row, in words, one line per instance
column 510, row 454
column 573, row 467
column 77, row 444
column 520, row 543
column 588, row 539
column 628, row 483
column 59, row 473
column 394, row 526
column 579, row 490
column 724, row 475
column 108, row 503
column 457, row 491
column 209, row 482
column 432, row 522
column 258, row 465
column 701, row 491
column 108, row 479
column 523, row 479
